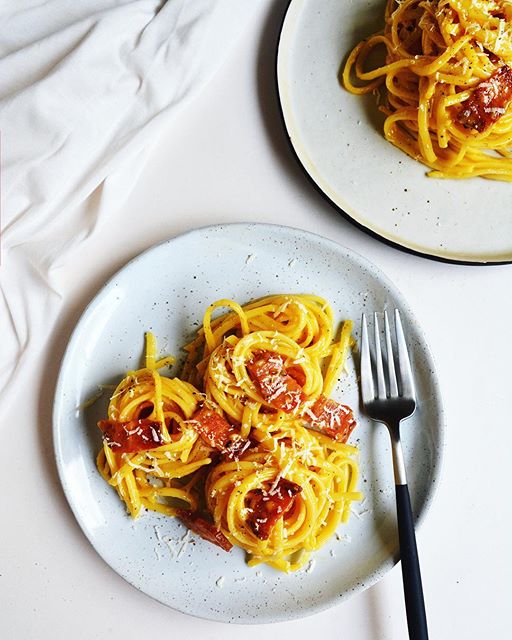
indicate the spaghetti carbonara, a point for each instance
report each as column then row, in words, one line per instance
column 247, row 448
column 447, row 84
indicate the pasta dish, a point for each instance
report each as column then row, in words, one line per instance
column 246, row 447
column 445, row 84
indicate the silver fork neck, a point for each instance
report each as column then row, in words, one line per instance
column 398, row 458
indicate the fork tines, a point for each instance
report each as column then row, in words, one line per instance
column 392, row 374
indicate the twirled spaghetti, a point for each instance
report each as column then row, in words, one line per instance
column 447, row 82
column 246, row 448
column 146, row 401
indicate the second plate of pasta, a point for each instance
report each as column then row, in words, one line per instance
column 232, row 475
column 395, row 110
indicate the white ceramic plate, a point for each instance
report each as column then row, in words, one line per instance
column 338, row 139
column 166, row 290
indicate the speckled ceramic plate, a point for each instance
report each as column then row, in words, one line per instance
column 166, row 290
column 338, row 138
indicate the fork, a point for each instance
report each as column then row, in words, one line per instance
column 393, row 400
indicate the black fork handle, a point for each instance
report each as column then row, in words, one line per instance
column 413, row 590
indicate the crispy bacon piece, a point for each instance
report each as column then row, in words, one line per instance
column 297, row 373
column 131, row 436
column 488, row 102
column 266, row 507
column 332, row 418
column 207, row 530
column 214, row 429
column 276, row 385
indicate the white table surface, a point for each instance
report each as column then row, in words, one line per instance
column 226, row 159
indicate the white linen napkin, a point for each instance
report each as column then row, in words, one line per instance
column 84, row 87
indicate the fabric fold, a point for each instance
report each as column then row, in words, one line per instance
column 84, row 89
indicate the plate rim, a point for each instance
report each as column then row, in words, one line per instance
column 477, row 262
column 439, row 450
